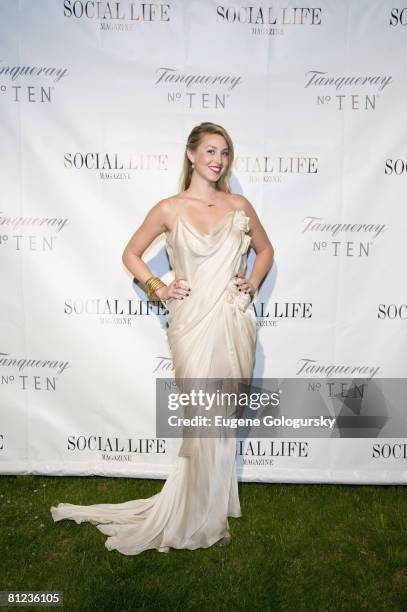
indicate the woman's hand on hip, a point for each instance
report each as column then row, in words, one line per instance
column 179, row 289
column 244, row 284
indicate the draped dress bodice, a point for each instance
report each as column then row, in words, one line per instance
column 212, row 332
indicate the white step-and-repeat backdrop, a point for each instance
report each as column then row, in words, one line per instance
column 97, row 99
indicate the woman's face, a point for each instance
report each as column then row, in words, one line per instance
column 211, row 158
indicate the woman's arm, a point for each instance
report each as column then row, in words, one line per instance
column 154, row 224
column 262, row 247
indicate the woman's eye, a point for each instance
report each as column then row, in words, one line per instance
column 212, row 151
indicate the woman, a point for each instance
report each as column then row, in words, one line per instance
column 211, row 334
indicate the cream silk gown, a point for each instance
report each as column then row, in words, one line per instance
column 211, row 334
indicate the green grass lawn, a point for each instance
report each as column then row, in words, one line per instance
column 297, row 547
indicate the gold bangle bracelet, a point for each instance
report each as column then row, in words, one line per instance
column 152, row 280
column 152, row 284
column 152, row 291
column 155, row 285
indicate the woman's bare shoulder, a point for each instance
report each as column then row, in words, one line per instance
column 170, row 203
column 166, row 211
column 238, row 201
column 166, row 206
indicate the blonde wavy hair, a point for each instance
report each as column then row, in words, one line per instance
column 193, row 141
